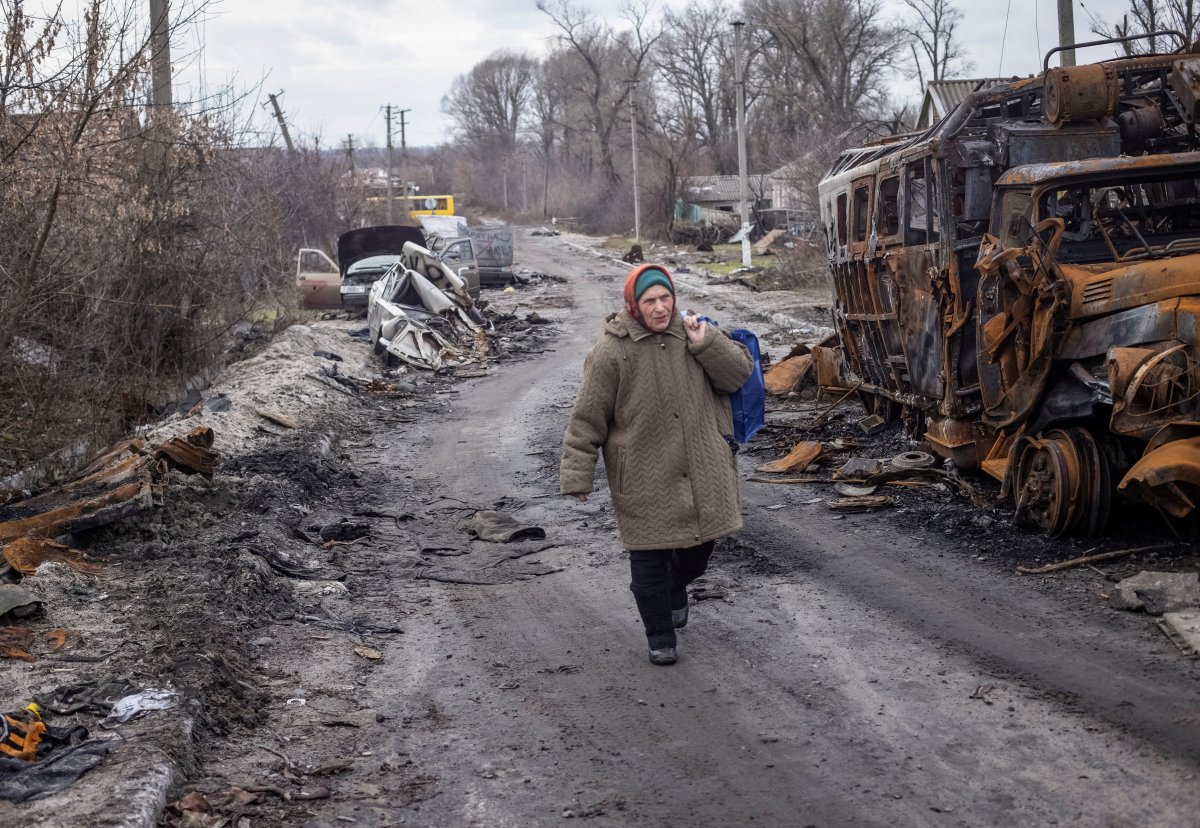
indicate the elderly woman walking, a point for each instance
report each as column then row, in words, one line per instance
column 654, row 401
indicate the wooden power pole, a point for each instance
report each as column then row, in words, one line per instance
column 404, row 158
column 283, row 127
column 637, row 196
column 739, row 86
column 160, row 53
column 387, row 109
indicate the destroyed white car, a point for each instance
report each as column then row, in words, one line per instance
column 367, row 253
column 421, row 313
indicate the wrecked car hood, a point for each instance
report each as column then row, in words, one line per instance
column 382, row 240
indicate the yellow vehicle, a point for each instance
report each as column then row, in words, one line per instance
column 429, row 205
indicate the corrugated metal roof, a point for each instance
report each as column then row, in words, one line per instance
column 699, row 189
column 942, row 96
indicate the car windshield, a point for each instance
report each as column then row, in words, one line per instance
column 1127, row 218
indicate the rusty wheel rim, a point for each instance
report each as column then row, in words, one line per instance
column 1043, row 494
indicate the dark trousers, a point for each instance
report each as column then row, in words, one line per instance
column 659, row 585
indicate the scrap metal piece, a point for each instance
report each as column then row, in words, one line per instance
column 1168, row 471
column 800, row 457
column 1185, row 80
column 787, row 375
column 864, row 503
column 913, row 460
column 872, row 424
column 122, row 481
column 851, row 490
column 88, row 513
column 277, row 418
column 191, row 453
column 26, row 554
column 857, row 467
column 17, row 642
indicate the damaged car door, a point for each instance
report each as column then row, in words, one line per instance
column 318, row 280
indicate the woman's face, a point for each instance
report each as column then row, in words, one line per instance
column 657, row 306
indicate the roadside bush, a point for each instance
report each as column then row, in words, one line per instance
column 802, row 266
column 135, row 241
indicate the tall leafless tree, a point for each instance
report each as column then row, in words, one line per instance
column 610, row 59
column 489, row 103
column 844, row 52
column 935, row 50
column 690, row 65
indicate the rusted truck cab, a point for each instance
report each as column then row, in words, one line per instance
column 1021, row 282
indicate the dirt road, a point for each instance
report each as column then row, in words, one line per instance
column 832, row 685
column 852, row 670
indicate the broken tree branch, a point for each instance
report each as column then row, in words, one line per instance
column 1087, row 559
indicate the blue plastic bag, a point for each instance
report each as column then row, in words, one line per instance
column 749, row 403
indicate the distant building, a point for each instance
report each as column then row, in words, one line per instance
column 716, row 198
column 943, row 95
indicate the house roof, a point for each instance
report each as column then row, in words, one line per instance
column 701, row 188
column 942, row 96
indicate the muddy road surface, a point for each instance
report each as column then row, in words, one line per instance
column 867, row 669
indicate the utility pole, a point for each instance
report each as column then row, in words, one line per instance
column 350, row 154
column 160, row 54
column 637, row 198
column 739, row 86
column 283, row 127
column 388, row 117
column 404, row 158
column 1066, row 32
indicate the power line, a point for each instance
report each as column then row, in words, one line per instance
column 1037, row 28
column 1003, row 40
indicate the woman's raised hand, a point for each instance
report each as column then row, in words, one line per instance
column 695, row 327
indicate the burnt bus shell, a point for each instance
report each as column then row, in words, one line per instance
column 925, row 271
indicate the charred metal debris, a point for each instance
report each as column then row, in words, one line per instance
column 1022, row 282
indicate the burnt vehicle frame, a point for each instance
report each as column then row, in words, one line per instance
column 1021, row 282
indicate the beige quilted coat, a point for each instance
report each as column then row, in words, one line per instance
column 658, row 408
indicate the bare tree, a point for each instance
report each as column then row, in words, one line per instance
column 931, row 28
column 842, row 52
column 489, row 103
column 1145, row 16
column 609, row 59
column 689, row 63
column 545, row 117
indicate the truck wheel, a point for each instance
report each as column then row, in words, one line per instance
column 1062, row 483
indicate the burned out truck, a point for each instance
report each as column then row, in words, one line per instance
column 1021, row 283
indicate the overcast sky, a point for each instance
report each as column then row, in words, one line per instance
column 339, row 61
